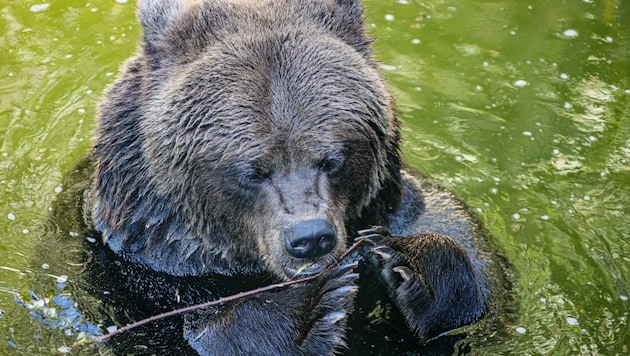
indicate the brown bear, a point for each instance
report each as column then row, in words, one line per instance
column 251, row 138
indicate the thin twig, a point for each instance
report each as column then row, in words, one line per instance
column 219, row 301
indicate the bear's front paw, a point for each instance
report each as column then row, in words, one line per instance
column 323, row 329
column 306, row 319
column 429, row 277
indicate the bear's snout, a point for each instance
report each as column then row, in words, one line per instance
column 310, row 238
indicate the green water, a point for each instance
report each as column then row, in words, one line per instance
column 522, row 108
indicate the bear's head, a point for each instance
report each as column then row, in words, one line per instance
column 261, row 133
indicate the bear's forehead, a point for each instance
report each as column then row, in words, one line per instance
column 274, row 86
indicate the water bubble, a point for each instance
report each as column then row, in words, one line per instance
column 416, row 41
column 389, row 17
column 388, row 67
column 527, row 133
column 556, row 151
column 623, row 297
column 516, row 216
column 564, row 76
column 45, row 266
column 10, row 216
column 520, row 83
column 58, row 190
column 459, row 158
column 572, row 321
column 521, row 330
column 545, row 217
column 570, row 33
column 62, row 279
column 568, row 105
column 111, row 329
column 608, row 39
column 627, row 91
column 39, row 7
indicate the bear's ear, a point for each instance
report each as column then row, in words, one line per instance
column 158, row 17
column 160, row 20
column 344, row 18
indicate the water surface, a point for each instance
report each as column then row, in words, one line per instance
column 520, row 108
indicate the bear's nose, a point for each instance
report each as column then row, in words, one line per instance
column 310, row 238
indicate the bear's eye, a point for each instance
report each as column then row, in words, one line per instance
column 329, row 165
column 258, row 174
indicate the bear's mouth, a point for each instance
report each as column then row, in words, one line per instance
column 305, row 270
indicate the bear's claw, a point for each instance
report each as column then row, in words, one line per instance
column 342, row 269
column 405, row 272
column 384, row 251
column 374, row 239
column 375, row 230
